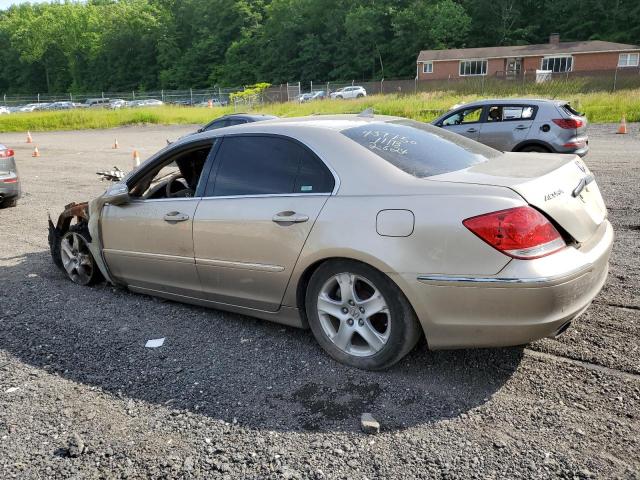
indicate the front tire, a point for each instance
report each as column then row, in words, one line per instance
column 359, row 316
column 76, row 258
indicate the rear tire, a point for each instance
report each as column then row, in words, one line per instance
column 535, row 148
column 359, row 316
column 360, row 95
column 9, row 203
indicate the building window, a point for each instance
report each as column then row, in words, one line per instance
column 628, row 59
column 427, row 67
column 558, row 64
column 473, row 67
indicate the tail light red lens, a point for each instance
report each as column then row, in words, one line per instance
column 569, row 123
column 9, row 180
column 6, row 153
column 521, row 232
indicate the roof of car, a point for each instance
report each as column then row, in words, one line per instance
column 509, row 101
column 264, row 116
column 325, row 122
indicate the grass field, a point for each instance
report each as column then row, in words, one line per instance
column 599, row 108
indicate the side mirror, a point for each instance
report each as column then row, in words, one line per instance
column 117, row 194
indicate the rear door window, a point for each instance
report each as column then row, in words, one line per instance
column 267, row 165
column 499, row 113
column 420, row 149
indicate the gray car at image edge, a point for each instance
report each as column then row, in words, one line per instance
column 9, row 180
column 520, row 125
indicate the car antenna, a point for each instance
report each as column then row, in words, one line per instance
column 368, row 113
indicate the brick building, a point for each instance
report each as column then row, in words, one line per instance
column 555, row 56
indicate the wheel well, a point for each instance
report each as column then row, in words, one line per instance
column 533, row 143
column 303, row 282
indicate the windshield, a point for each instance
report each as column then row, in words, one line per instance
column 420, row 149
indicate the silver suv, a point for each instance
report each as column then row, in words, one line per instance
column 520, row 125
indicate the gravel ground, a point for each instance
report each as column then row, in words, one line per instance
column 232, row 397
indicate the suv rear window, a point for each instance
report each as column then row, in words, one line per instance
column 420, row 149
column 571, row 110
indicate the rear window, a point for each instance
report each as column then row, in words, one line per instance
column 571, row 110
column 420, row 149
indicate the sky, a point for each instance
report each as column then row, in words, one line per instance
column 7, row 3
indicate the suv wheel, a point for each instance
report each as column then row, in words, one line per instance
column 535, row 148
column 359, row 316
column 360, row 95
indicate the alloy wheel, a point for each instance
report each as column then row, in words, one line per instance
column 354, row 315
column 76, row 258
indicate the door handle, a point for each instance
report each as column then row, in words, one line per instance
column 472, row 130
column 289, row 217
column 176, row 217
column 522, row 127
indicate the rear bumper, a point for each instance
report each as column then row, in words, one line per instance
column 9, row 190
column 581, row 149
column 527, row 300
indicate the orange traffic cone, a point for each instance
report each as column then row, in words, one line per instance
column 622, row 128
column 115, row 144
column 136, row 159
column 29, row 139
column 36, row 152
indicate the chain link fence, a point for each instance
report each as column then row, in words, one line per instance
column 499, row 84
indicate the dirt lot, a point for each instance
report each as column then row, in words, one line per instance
column 232, row 397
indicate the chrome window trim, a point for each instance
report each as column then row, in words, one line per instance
column 262, row 195
column 149, row 200
column 269, row 195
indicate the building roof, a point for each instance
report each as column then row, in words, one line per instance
column 591, row 46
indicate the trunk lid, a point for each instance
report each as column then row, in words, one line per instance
column 546, row 181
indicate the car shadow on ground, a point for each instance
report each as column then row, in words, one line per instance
column 222, row 365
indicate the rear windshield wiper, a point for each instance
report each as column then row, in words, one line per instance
column 583, row 183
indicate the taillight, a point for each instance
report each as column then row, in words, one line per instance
column 521, row 232
column 9, row 180
column 568, row 123
column 6, row 153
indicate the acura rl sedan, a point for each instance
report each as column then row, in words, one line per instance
column 370, row 230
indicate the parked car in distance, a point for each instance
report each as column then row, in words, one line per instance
column 30, row 107
column 60, row 106
column 9, row 179
column 311, row 96
column 520, row 125
column 349, row 92
column 4, row 111
column 234, row 119
column 97, row 102
column 151, row 102
column 117, row 103
column 372, row 230
column 320, row 95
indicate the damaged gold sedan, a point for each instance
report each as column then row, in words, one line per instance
column 370, row 230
